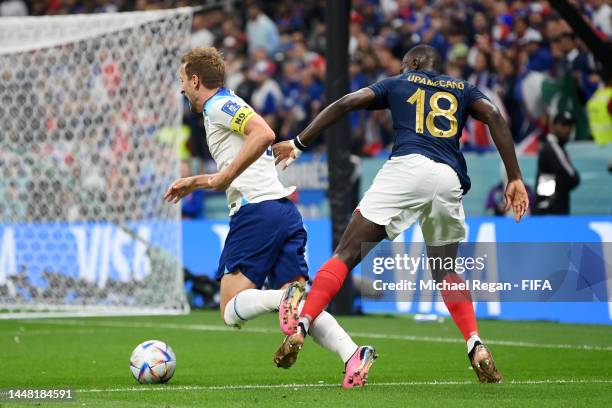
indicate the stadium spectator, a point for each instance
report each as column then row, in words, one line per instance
column 13, row 8
column 505, row 87
column 572, row 83
column 106, row 6
column 458, row 59
column 485, row 80
column 234, row 39
column 245, row 85
column 316, row 39
column 602, row 16
column 267, row 96
column 201, row 36
column 261, row 30
column 556, row 175
column 600, row 113
column 539, row 57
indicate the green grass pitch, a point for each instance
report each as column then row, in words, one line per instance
column 420, row 364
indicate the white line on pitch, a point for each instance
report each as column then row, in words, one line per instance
column 324, row 385
column 218, row 328
column 50, row 331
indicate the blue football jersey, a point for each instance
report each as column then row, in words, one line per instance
column 429, row 111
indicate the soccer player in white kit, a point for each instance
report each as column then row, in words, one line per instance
column 266, row 239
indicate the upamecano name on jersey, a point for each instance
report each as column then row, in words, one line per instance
column 439, row 83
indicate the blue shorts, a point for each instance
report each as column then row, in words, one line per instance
column 266, row 240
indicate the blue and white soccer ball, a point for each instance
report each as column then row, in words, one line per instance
column 153, row 362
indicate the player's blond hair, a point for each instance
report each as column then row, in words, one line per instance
column 207, row 63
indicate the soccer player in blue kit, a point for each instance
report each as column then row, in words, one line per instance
column 423, row 180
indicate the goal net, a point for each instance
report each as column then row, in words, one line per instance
column 89, row 105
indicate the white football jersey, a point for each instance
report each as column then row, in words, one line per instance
column 225, row 118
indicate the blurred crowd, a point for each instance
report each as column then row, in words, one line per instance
column 82, row 136
column 521, row 54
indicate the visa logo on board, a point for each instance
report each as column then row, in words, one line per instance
column 95, row 252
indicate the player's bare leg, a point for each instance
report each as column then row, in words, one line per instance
column 459, row 304
column 231, row 285
column 241, row 301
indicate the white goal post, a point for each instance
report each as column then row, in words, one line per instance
column 87, row 104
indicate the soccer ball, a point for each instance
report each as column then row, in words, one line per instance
column 152, row 362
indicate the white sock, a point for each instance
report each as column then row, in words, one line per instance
column 326, row 331
column 471, row 341
column 305, row 322
column 303, row 319
column 251, row 303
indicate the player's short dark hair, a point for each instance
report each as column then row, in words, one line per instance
column 207, row 63
column 428, row 54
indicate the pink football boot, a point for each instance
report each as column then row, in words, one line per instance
column 357, row 367
column 288, row 315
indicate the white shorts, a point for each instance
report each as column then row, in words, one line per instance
column 415, row 188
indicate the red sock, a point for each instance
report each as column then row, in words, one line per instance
column 459, row 304
column 326, row 285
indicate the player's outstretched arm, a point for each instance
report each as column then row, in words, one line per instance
column 516, row 194
column 290, row 150
column 258, row 137
column 185, row 186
